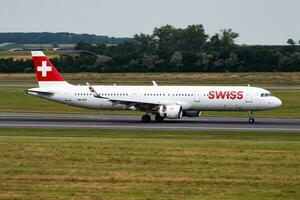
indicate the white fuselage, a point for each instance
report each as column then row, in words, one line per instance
column 191, row 98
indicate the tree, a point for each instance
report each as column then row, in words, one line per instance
column 295, row 59
column 165, row 37
column 290, row 63
column 150, row 61
column 223, row 43
column 219, row 65
column 205, row 61
column 133, row 63
column 228, row 37
column 193, row 38
column 103, row 63
column 83, row 46
column 176, row 59
column 169, row 38
column 144, row 43
column 215, row 40
column 232, row 62
column 291, row 42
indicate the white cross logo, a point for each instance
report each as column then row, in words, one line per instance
column 44, row 68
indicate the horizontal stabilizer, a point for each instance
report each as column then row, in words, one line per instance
column 39, row 91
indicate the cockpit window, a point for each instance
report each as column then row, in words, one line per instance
column 266, row 95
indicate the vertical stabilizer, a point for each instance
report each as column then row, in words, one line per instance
column 46, row 73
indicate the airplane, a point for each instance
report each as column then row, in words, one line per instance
column 162, row 102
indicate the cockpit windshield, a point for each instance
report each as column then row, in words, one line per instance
column 266, row 95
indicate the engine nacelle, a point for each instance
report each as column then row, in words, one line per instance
column 170, row 111
column 191, row 113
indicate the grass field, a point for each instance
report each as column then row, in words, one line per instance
column 105, row 164
column 14, row 99
column 17, row 55
column 255, row 79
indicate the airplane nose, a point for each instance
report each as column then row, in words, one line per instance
column 277, row 102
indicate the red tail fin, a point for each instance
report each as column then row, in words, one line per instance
column 44, row 69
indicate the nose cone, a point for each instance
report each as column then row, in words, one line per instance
column 277, row 102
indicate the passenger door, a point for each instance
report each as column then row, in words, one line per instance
column 197, row 97
column 249, row 98
column 67, row 97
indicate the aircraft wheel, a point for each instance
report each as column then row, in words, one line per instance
column 251, row 121
column 146, row 118
column 159, row 118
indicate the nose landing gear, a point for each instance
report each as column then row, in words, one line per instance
column 251, row 117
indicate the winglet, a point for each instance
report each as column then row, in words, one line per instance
column 93, row 91
column 154, row 83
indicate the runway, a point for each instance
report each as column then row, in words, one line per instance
column 45, row 120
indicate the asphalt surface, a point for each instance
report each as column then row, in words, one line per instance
column 45, row 120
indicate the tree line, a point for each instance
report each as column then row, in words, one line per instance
column 170, row 49
column 58, row 38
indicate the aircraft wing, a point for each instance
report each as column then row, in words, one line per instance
column 143, row 106
column 140, row 105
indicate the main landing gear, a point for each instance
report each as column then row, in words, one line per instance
column 147, row 118
column 251, row 117
column 159, row 118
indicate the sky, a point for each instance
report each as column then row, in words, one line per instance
column 266, row 22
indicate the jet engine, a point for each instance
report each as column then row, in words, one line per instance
column 170, row 111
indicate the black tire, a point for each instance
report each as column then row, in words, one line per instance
column 146, row 118
column 159, row 118
column 251, row 121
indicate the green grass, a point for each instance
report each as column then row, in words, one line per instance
column 24, row 54
column 106, row 164
column 14, row 99
column 255, row 79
